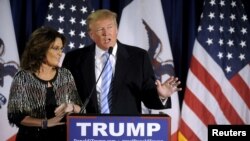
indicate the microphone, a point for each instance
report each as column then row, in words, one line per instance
column 110, row 50
column 83, row 108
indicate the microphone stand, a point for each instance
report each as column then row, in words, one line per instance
column 83, row 108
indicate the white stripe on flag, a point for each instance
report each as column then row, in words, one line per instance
column 207, row 99
column 245, row 75
column 194, row 122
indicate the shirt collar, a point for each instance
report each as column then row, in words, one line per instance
column 99, row 52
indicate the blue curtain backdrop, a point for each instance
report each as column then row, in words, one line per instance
column 182, row 18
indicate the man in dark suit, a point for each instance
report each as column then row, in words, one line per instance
column 133, row 80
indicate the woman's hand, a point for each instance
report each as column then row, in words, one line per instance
column 60, row 110
column 64, row 109
column 69, row 108
column 55, row 121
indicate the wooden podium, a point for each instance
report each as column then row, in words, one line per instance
column 118, row 127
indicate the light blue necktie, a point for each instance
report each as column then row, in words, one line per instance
column 105, row 87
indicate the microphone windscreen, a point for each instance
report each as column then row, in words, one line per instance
column 110, row 50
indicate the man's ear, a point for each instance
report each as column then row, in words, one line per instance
column 90, row 35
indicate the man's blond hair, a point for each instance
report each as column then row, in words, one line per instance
column 99, row 15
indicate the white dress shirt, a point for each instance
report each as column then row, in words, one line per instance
column 99, row 67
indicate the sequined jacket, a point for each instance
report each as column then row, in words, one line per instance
column 27, row 94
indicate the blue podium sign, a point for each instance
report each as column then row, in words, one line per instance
column 118, row 128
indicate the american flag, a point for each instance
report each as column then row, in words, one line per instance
column 218, row 83
column 69, row 18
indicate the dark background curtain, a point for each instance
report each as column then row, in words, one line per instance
column 181, row 17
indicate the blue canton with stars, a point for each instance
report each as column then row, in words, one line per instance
column 224, row 33
column 69, row 18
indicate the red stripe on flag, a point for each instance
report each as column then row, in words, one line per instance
column 198, row 108
column 12, row 138
column 242, row 88
column 215, row 89
column 174, row 136
column 187, row 132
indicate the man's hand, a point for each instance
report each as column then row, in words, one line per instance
column 168, row 87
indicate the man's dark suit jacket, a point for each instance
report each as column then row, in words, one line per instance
column 133, row 80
